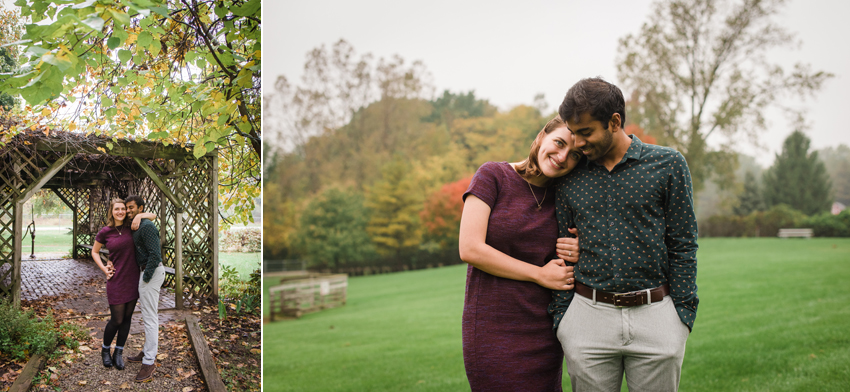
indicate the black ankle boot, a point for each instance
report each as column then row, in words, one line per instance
column 117, row 359
column 107, row 359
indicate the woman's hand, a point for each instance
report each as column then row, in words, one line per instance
column 109, row 272
column 567, row 248
column 556, row 275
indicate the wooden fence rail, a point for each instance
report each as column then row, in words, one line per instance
column 297, row 297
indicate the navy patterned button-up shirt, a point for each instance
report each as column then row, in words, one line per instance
column 148, row 253
column 636, row 225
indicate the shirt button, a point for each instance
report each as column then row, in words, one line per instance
column 609, row 176
column 612, row 223
column 610, row 198
column 613, row 248
column 616, row 275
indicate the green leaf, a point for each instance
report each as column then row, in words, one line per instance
column 110, row 113
column 113, row 42
column 109, row 145
column 124, row 55
column 94, row 22
column 160, row 10
column 144, row 39
column 84, row 4
column 106, row 102
column 121, row 18
column 154, row 48
column 199, row 150
column 251, row 8
column 60, row 61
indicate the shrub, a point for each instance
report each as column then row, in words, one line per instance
column 245, row 295
column 23, row 334
column 827, row 225
column 248, row 239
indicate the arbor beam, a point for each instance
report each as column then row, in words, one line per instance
column 161, row 185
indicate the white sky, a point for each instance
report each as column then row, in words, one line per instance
column 508, row 51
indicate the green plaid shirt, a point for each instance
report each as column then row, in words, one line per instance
column 636, row 223
column 148, row 252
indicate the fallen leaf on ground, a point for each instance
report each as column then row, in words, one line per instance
column 161, row 356
column 83, row 382
column 125, row 386
column 84, row 348
column 188, row 389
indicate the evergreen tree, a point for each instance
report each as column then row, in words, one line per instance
column 751, row 198
column 798, row 178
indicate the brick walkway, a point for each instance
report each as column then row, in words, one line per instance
column 84, row 284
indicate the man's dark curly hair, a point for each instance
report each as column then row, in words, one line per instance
column 594, row 96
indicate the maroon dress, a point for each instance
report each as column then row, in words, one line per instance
column 124, row 285
column 508, row 341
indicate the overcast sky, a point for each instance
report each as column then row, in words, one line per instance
column 508, row 51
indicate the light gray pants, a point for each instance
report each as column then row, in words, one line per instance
column 601, row 341
column 149, row 301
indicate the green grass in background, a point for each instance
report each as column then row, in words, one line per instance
column 773, row 316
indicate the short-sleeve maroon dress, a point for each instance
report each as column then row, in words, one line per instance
column 508, row 341
column 124, row 285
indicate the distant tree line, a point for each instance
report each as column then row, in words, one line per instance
column 796, row 192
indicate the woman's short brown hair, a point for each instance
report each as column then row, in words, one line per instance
column 110, row 221
column 531, row 167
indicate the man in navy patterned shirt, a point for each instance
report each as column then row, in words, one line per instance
column 149, row 258
column 632, row 206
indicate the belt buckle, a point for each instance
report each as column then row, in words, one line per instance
column 624, row 296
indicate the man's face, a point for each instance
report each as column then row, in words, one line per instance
column 591, row 138
column 133, row 209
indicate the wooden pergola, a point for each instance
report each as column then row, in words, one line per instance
column 85, row 173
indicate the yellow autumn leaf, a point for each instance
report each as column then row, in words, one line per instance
column 45, row 112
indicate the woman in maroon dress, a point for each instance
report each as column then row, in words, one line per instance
column 122, row 284
column 508, row 234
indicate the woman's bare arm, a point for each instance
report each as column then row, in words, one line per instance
column 475, row 251
column 95, row 254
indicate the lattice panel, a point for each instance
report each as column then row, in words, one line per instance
column 197, row 227
column 7, row 240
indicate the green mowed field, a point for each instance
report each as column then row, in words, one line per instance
column 774, row 316
column 60, row 241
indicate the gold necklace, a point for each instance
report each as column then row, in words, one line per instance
column 539, row 203
column 118, row 230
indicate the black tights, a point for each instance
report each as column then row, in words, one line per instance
column 119, row 323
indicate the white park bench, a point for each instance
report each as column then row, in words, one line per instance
column 803, row 233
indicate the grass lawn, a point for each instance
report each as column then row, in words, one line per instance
column 773, row 317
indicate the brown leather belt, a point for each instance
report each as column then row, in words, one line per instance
column 633, row 298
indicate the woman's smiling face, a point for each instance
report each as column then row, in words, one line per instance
column 119, row 211
column 558, row 155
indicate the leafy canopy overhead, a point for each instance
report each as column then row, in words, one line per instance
column 175, row 71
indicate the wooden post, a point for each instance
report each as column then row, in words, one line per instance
column 178, row 258
column 16, row 258
column 163, row 222
column 214, row 204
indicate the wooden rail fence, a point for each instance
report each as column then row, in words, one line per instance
column 300, row 296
